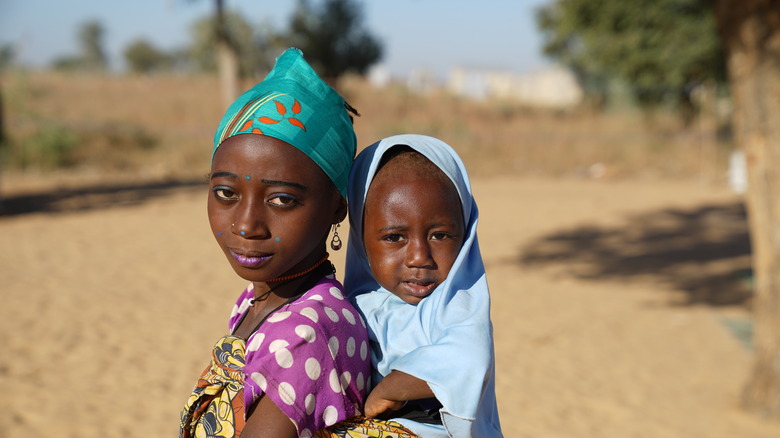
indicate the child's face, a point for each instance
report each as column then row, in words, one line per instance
column 412, row 231
column 270, row 207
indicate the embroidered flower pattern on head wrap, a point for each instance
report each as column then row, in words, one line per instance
column 294, row 105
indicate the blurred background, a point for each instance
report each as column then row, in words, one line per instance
column 598, row 136
column 503, row 81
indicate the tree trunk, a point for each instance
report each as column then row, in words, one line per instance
column 227, row 68
column 227, row 58
column 750, row 30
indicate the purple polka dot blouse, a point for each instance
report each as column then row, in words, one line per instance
column 310, row 357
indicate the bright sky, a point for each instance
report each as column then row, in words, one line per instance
column 434, row 35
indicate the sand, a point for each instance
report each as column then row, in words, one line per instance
column 112, row 301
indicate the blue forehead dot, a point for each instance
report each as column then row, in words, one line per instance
column 247, row 177
column 242, row 233
column 278, row 239
column 219, row 234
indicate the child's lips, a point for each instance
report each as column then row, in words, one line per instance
column 249, row 259
column 419, row 288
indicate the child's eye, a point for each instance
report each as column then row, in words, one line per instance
column 392, row 237
column 283, row 201
column 440, row 235
column 224, row 193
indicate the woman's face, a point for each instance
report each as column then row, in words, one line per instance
column 270, row 207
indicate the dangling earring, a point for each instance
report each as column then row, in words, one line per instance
column 335, row 243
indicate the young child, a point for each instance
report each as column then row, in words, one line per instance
column 415, row 272
column 296, row 359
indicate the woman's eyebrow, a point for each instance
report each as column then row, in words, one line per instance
column 223, row 174
column 284, row 183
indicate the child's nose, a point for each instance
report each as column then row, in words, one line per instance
column 418, row 254
column 250, row 221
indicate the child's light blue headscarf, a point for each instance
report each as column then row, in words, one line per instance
column 294, row 105
column 446, row 339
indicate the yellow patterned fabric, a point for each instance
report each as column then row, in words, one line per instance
column 362, row 427
column 216, row 407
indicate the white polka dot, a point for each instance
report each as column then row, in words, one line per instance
column 306, row 332
column 362, row 321
column 330, row 415
column 256, row 341
column 317, row 297
column 363, row 350
column 278, row 316
column 287, row 393
column 284, row 358
column 348, row 314
column 360, row 382
column 305, row 433
column 351, row 347
column 333, row 380
column 333, row 346
column 336, row 293
column 313, row 369
column 346, row 377
column 260, row 380
column 332, row 314
column 277, row 345
column 309, row 403
column 310, row 313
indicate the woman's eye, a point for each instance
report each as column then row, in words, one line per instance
column 225, row 194
column 284, row 201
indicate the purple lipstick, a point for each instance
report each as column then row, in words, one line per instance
column 249, row 261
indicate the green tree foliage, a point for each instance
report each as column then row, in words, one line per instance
column 91, row 41
column 92, row 57
column 251, row 43
column 142, row 57
column 7, row 54
column 659, row 48
column 333, row 38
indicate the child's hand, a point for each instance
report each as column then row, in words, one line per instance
column 375, row 405
column 398, row 386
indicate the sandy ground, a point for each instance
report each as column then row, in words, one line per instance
column 112, row 300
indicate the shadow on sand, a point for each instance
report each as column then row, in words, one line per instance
column 703, row 252
column 94, row 197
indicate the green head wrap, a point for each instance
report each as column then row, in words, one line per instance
column 294, row 105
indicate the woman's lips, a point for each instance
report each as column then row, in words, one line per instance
column 249, row 260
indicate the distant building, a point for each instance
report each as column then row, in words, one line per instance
column 379, row 76
column 553, row 87
column 422, row 80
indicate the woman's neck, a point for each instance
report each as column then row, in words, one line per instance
column 273, row 293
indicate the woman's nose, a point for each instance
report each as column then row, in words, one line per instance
column 249, row 221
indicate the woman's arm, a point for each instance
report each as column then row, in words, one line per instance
column 393, row 391
column 266, row 420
